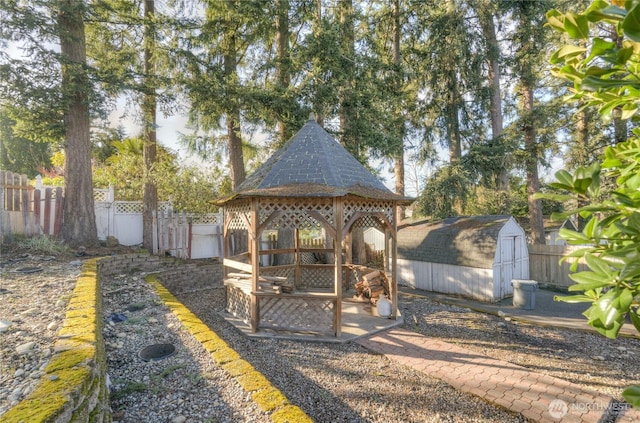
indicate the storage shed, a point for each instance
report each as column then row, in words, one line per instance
column 475, row 257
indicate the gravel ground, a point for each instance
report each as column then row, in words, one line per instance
column 330, row 382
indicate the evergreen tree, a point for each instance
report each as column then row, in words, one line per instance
column 79, row 221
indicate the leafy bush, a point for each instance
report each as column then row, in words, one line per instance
column 604, row 75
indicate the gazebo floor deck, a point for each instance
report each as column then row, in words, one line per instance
column 358, row 319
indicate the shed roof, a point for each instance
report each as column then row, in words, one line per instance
column 312, row 164
column 464, row 241
column 549, row 224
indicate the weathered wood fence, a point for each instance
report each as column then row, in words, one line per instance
column 29, row 210
column 545, row 266
column 187, row 235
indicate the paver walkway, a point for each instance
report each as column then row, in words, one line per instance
column 534, row 395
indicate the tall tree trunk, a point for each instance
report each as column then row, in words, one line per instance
column 453, row 98
column 398, row 168
column 494, row 74
column 318, row 105
column 284, row 61
column 234, row 141
column 452, row 119
column 286, row 236
column 531, row 163
column 150, row 203
column 79, row 220
column 345, row 111
column 581, row 152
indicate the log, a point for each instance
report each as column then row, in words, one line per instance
column 274, row 278
column 371, row 276
column 372, row 286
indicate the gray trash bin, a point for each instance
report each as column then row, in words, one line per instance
column 524, row 293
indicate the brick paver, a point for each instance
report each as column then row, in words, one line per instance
column 534, row 395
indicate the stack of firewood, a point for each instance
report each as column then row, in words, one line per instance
column 276, row 284
column 372, row 286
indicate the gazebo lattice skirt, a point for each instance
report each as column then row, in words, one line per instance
column 302, row 313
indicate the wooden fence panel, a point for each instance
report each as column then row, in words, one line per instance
column 545, row 266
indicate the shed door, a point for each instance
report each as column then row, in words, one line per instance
column 507, row 264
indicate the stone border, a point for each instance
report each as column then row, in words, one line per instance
column 74, row 387
column 267, row 397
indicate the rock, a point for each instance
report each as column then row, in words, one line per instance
column 25, row 348
column 77, row 263
column 152, row 320
column 52, row 326
column 31, row 312
column 112, row 242
column 18, row 373
column 598, row 358
column 501, row 313
column 54, row 377
column 4, row 325
column 179, row 419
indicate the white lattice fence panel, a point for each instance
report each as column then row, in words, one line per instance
column 299, row 314
column 128, row 207
column 233, row 213
column 101, row 194
column 204, row 218
column 368, row 206
column 239, row 303
column 137, row 207
column 294, row 213
column 317, row 276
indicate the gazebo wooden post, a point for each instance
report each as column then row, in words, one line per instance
column 338, row 208
column 387, row 239
column 296, row 258
column 226, row 248
column 348, row 256
column 393, row 288
column 254, row 246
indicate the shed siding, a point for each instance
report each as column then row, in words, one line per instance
column 374, row 237
column 470, row 282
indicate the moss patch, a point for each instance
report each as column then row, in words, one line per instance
column 290, row 414
column 35, row 409
column 69, row 359
column 238, row 367
column 253, row 381
column 269, row 399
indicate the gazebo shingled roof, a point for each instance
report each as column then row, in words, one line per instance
column 312, row 164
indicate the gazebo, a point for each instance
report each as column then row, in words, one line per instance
column 310, row 185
